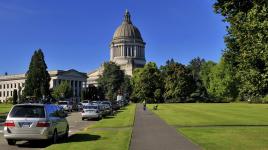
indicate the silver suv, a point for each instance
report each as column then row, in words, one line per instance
column 35, row 122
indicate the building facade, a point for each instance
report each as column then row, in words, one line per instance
column 127, row 49
column 77, row 81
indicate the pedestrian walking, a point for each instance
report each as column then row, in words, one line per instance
column 144, row 105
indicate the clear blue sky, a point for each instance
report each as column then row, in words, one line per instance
column 75, row 34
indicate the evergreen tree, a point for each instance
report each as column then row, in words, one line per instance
column 37, row 77
column 195, row 67
column 15, row 97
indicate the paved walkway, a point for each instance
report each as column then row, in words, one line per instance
column 152, row 133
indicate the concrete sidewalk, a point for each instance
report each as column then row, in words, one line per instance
column 152, row 133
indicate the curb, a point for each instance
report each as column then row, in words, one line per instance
column 131, row 136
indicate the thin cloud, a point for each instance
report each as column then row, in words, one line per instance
column 14, row 9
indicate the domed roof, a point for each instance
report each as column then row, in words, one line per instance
column 127, row 29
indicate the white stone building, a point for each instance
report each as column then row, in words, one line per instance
column 127, row 49
column 77, row 80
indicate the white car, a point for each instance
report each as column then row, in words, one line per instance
column 85, row 102
column 66, row 105
column 91, row 112
column 35, row 122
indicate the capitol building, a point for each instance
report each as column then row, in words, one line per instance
column 127, row 49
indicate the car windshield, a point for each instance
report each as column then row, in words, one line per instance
column 90, row 107
column 28, row 111
column 63, row 103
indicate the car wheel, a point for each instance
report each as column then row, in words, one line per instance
column 11, row 142
column 83, row 118
column 66, row 133
column 55, row 137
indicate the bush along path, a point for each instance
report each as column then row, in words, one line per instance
column 152, row 133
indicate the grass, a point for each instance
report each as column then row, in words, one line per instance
column 220, row 126
column 113, row 133
column 4, row 109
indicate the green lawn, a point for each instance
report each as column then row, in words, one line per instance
column 4, row 109
column 220, row 126
column 111, row 133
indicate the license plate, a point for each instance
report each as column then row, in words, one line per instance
column 25, row 124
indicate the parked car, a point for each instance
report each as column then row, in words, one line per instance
column 85, row 102
column 115, row 106
column 35, row 122
column 66, row 105
column 80, row 106
column 107, row 106
column 91, row 111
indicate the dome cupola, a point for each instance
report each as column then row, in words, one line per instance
column 127, row 48
column 127, row 30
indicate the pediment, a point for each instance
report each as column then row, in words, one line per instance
column 73, row 73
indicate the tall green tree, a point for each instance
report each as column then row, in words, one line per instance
column 178, row 81
column 246, row 42
column 111, row 80
column 15, row 96
column 195, row 67
column 63, row 90
column 222, row 82
column 37, row 77
column 147, row 84
column 126, row 87
column 205, row 73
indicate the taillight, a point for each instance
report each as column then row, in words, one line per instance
column 9, row 123
column 42, row 124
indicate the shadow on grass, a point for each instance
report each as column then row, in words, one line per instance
column 3, row 117
column 82, row 137
column 33, row 144
column 79, row 137
column 209, row 126
column 108, row 117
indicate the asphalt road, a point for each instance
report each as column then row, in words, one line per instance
column 75, row 122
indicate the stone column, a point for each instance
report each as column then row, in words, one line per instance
column 121, row 51
column 112, row 53
column 127, row 53
column 73, row 88
column 135, row 51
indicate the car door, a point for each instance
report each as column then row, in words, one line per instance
column 62, row 124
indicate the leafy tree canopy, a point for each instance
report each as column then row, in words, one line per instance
column 111, row 80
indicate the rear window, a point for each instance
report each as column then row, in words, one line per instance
column 28, row 112
column 63, row 103
column 90, row 107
